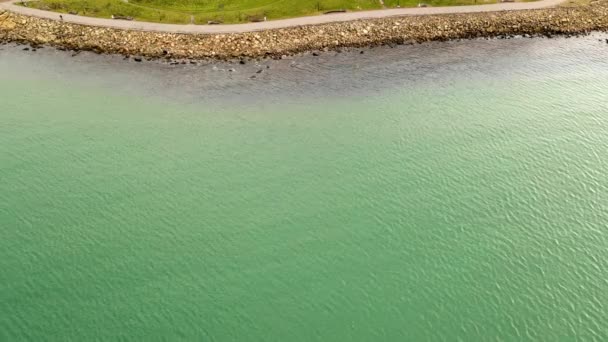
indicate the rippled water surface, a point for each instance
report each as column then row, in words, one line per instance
column 453, row 191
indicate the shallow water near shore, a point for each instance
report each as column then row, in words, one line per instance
column 444, row 191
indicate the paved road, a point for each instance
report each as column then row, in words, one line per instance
column 274, row 24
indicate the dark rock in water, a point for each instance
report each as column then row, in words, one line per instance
column 268, row 67
column 242, row 61
column 315, row 54
column 192, row 62
column 252, row 76
column 361, row 52
column 231, row 70
column 259, row 71
column 137, row 59
column 26, row 49
column 33, row 50
column 606, row 40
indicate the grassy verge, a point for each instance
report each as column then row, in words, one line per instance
column 224, row 11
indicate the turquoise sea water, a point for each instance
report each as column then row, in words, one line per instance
column 442, row 192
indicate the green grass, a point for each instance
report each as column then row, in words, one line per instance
column 226, row 11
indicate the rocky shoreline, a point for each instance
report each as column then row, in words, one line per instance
column 581, row 19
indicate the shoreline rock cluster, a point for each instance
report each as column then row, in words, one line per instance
column 575, row 20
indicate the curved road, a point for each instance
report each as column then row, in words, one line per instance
column 275, row 24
